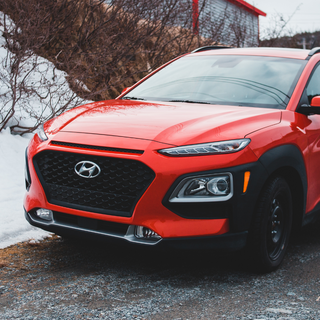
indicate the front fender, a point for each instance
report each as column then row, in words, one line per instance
column 285, row 156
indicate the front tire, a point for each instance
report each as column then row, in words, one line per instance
column 271, row 226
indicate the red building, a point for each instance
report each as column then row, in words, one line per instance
column 233, row 22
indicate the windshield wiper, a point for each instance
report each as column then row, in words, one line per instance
column 190, row 101
column 132, row 98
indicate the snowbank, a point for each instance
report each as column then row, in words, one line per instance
column 13, row 226
column 46, row 91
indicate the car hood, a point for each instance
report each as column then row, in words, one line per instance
column 170, row 123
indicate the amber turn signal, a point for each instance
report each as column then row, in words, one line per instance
column 246, row 181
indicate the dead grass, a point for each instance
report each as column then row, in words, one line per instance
column 3, row 264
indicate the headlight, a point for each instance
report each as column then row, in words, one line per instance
column 230, row 146
column 204, row 188
column 41, row 134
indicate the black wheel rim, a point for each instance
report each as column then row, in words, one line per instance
column 277, row 229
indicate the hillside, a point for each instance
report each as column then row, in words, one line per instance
column 310, row 40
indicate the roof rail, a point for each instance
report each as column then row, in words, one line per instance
column 312, row 52
column 210, row 48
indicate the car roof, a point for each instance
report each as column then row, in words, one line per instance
column 269, row 52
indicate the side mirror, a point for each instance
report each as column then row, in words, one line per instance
column 313, row 108
column 315, row 102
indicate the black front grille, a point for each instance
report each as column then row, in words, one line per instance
column 114, row 191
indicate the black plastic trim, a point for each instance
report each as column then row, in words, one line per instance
column 311, row 216
column 312, row 52
column 206, row 48
column 239, row 209
column 225, row 242
column 28, row 177
column 90, row 147
column 286, row 156
column 71, row 231
column 307, row 110
column 87, row 223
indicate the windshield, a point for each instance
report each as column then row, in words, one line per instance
column 223, row 79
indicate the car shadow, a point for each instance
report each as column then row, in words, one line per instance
column 111, row 257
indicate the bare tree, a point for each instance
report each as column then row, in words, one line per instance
column 31, row 88
column 278, row 29
column 106, row 46
column 102, row 46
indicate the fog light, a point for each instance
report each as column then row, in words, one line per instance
column 45, row 214
column 146, row 233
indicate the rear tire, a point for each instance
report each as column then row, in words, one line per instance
column 271, row 226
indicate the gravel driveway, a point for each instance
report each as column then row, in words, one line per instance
column 60, row 279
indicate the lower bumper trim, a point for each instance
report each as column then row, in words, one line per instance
column 225, row 242
column 75, row 230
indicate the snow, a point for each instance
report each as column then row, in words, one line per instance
column 47, row 91
column 40, row 89
column 13, row 225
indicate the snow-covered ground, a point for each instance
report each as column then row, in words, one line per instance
column 47, row 90
column 13, row 226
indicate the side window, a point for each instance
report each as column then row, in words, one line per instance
column 313, row 87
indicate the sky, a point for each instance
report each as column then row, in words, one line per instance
column 306, row 14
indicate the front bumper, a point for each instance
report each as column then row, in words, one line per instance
column 88, row 229
column 220, row 225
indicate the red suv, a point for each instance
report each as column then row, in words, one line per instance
column 216, row 149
